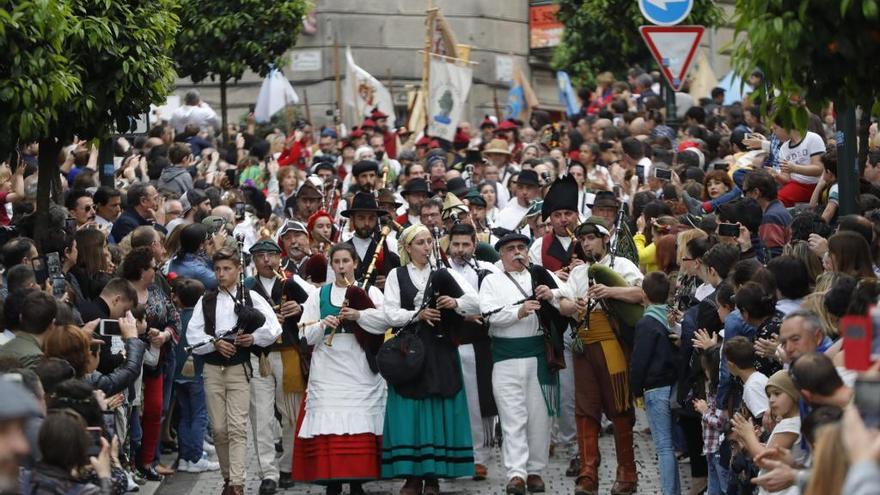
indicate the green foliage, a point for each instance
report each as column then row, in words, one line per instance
column 37, row 75
column 82, row 66
column 811, row 51
column 603, row 35
column 223, row 38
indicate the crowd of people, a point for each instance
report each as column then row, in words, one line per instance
column 374, row 303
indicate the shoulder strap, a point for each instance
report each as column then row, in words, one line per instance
column 209, row 312
column 510, row 277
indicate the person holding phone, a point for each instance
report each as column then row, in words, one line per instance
column 800, row 163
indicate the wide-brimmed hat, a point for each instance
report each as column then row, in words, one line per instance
column 387, row 196
column 509, row 237
column 497, row 146
column 416, row 186
column 363, row 202
column 606, row 199
column 308, row 190
column 457, row 186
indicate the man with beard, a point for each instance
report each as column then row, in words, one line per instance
column 474, row 350
column 389, row 138
column 364, row 215
column 600, row 366
column 306, row 202
column 415, row 192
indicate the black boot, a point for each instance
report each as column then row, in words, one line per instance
column 334, row 489
column 356, row 488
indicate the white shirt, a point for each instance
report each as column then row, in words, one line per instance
column 396, row 316
column 499, row 292
column 801, row 154
column 578, row 281
column 201, row 115
column 361, row 246
column 511, row 215
column 103, row 222
column 226, row 319
column 467, row 272
column 755, row 395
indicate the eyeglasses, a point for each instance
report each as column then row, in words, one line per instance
column 89, row 207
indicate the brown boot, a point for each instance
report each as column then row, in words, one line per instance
column 516, row 486
column 535, row 484
column 627, row 477
column 587, row 481
column 236, row 490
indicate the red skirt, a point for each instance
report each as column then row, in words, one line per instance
column 336, row 458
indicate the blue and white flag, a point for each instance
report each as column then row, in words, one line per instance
column 567, row 96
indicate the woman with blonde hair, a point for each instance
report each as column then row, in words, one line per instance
column 830, row 462
column 801, row 250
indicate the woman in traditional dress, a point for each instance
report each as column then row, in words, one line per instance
column 424, row 438
column 339, row 437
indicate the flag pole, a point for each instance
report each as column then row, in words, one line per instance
column 338, row 79
column 426, row 59
column 307, row 110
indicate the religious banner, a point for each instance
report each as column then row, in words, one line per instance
column 449, row 87
column 362, row 92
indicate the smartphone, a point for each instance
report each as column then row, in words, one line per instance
column 721, row 166
column 252, row 108
column 663, row 173
column 53, row 260
column 109, row 328
column 70, row 225
column 41, row 272
column 640, row 172
column 95, row 444
column 239, row 211
column 856, row 331
column 867, row 400
column 230, row 176
column 728, row 229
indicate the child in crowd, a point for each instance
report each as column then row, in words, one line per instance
column 714, row 420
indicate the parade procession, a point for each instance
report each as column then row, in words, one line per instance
column 506, row 247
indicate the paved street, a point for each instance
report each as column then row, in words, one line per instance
column 557, row 482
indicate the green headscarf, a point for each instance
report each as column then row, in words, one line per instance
column 406, row 238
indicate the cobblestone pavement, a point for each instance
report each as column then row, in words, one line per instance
column 554, row 476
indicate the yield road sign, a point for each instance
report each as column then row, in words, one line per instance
column 673, row 47
column 665, row 12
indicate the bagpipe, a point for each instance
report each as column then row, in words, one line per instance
column 623, row 315
column 552, row 323
column 421, row 360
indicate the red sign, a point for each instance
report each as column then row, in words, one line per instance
column 673, row 47
column 545, row 30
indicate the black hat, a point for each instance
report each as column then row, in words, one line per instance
column 528, row 178
column 308, row 190
column 364, row 166
column 562, row 195
column 416, row 186
column 265, row 246
column 457, row 186
column 606, row 199
column 475, row 198
column 363, row 202
column 323, row 165
column 511, row 236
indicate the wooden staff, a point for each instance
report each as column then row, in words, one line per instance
column 338, row 79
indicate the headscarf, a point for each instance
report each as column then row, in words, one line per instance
column 310, row 225
column 406, row 238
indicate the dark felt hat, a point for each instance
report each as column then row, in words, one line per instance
column 416, row 186
column 363, row 202
column 364, row 166
column 528, row 178
column 562, row 195
column 509, row 237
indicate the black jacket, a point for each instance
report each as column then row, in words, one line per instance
column 120, row 378
column 653, row 360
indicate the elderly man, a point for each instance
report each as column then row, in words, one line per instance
column 524, row 384
column 145, row 207
column 801, row 333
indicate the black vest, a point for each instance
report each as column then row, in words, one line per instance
column 209, row 312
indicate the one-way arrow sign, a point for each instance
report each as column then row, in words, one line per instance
column 673, row 47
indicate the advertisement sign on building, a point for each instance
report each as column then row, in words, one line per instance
column 545, row 30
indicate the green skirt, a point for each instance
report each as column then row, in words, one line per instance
column 427, row 437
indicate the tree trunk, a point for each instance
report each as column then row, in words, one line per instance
column 223, row 106
column 847, row 168
column 48, row 185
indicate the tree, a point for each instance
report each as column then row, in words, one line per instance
column 220, row 39
column 81, row 68
column 812, row 52
column 603, row 35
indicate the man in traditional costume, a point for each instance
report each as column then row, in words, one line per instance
column 283, row 385
column 608, row 207
column 364, row 214
column 524, row 384
column 600, row 352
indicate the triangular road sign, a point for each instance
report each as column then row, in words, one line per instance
column 673, row 47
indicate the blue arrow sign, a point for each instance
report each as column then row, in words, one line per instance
column 665, row 12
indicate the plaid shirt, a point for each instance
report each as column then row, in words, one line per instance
column 714, row 420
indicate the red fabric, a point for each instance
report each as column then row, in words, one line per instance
column 335, row 457
column 4, row 218
column 402, row 219
column 151, row 421
column 390, row 140
column 547, row 261
column 295, row 155
column 795, row 192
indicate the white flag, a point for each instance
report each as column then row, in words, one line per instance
column 448, row 91
column 275, row 94
column 362, row 92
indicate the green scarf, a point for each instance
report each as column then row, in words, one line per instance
column 659, row 312
column 526, row 347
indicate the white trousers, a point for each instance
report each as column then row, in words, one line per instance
column 525, row 422
column 469, row 373
column 565, row 432
column 267, row 393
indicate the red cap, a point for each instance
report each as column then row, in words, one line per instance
column 310, row 225
column 460, row 137
column 423, row 141
column 377, row 114
column 356, row 133
column 368, row 123
column 434, row 144
column 487, row 122
column 506, row 126
column 687, row 144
